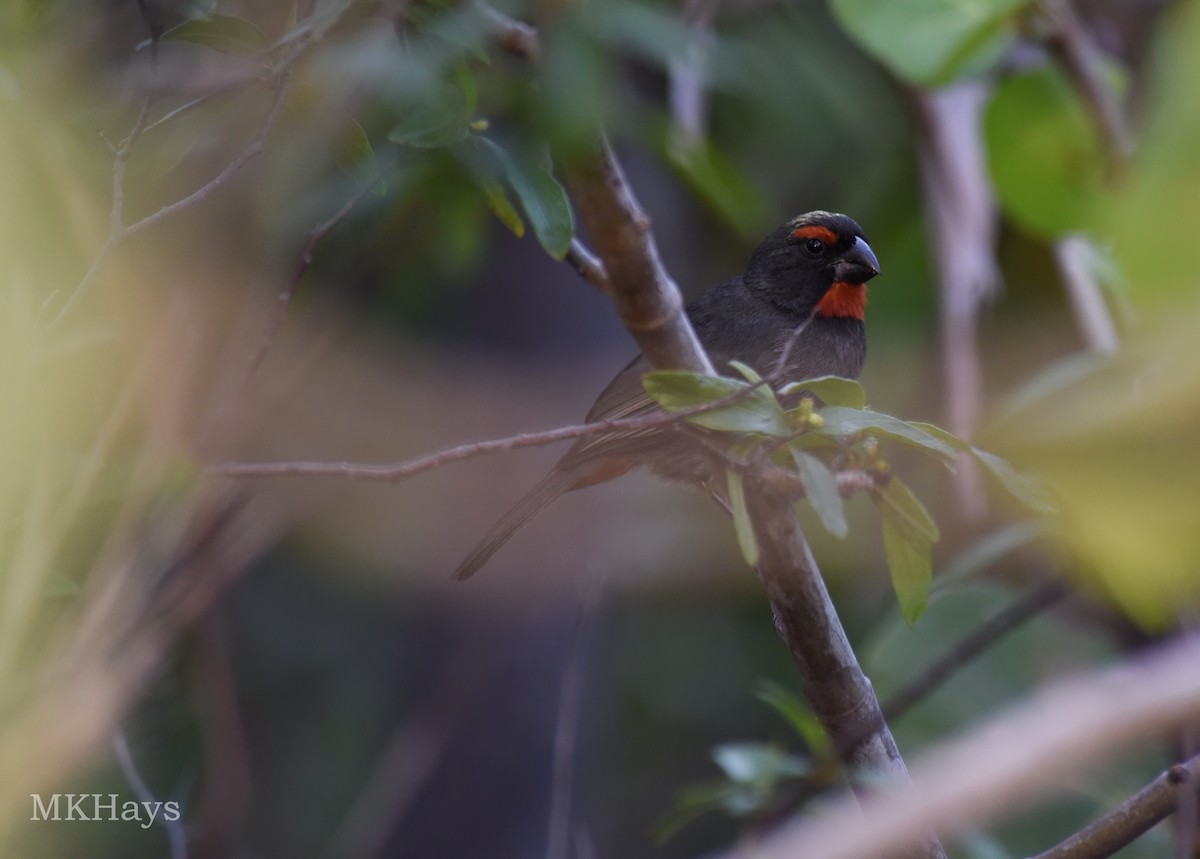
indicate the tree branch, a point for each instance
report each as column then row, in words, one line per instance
column 1134, row 817
column 644, row 295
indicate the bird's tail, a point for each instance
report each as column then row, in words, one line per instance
column 551, row 486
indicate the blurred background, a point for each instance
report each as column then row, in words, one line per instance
column 259, row 231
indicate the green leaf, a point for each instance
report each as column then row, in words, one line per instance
column 502, row 208
column 929, row 42
column 1046, row 160
column 756, row 411
column 832, row 391
column 1023, row 487
column 742, row 526
column 721, row 184
column 842, row 421
column 758, row 763
column 899, row 502
column 542, row 197
column 910, row 562
column 799, row 715
column 223, row 33
column 435, row 119
column 821, row 488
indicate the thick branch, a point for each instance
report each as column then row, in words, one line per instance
column 647, row 300
column 1132, row 818
column 840, row 693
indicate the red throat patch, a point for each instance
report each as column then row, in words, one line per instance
column 844, row 300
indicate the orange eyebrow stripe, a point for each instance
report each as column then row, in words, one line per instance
column 815, row 231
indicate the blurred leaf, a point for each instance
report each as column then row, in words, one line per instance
column 910, row 561
column 718, row 181
column 433, row 120
column 756, row 411
column 223, row 33
column 1045, row 158
column 842, row 421
column 832, row 391
column 758, row 763
column 898, row 500
column 498, row 202
column 326, row 13
column 821, row 488
column 1021, row 486
column 542, row 197
column 749, row 373
column 799, row 715
column 927, row 42
column 735, row 799
column 747, row 541
column 989, row 549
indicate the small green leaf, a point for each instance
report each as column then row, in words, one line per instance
column 910, row 562
column 439, row 118
column 898, row 499
column 502, row 208
column 746, row 370
column 756, row 411
column 734, row 799
column 842, row 421
column 832, row 391
column 799, row 715
column 542, row 197
column 742, row 526
column 821, row 488
column 1023, row 487
column 223, row 33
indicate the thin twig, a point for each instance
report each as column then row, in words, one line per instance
column 566, row 726
column 587, row 266
column 980, row 639
column 176, row 837
column 1133, row 818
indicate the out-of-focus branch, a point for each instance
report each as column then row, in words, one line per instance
column 1079, row 56
column 1087, row 298
column 1014, row 757
column 587, row 266
column 962, row 218
column 687, row 93
column 1134, row 817
column 176, row 837
column 646, row 298
column 980, row 639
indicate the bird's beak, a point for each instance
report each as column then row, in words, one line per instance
column 857, row 265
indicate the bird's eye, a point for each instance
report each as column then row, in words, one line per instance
column 814, row 246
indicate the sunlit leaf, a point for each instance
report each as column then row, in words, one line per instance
column 929, row 41
column 842, row 421
column 755, row 411
column 910, row 562
column 832, row 391
column 821, row 488
column 224, row 33
column 897, row 499
column 742, row 525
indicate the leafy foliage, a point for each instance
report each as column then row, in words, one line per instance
column 819, row 443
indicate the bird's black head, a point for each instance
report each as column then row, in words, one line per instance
column 820, row 260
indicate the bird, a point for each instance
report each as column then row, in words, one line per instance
column 803, row 296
